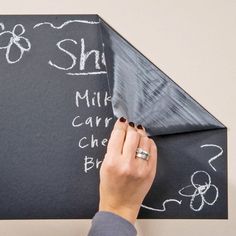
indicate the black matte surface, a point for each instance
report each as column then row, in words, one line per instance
column 42, row 172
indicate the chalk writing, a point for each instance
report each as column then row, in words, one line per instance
column 103, row 55
column 83, row 57
column 92, row 98
column 65, row 23
column 163, row 205
column 73, row 57
column 90, row 162
column 14, row 43
column 87, row 73
column 2, row 26
column 91, row 121
column 197, row 191
column 91, row 142
column 214, row 157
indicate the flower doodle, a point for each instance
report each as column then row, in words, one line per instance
column 14, row 43
column 200, row 193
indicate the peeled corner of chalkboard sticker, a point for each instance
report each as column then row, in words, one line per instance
column 146, row 95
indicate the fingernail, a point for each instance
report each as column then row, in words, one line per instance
column 122, row 119
column 131, row 124
column 139, row 126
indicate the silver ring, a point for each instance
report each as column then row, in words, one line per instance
column 142, row 154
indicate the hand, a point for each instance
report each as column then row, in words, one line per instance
column 125, row 179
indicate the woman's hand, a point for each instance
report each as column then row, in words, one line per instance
column 125, row 179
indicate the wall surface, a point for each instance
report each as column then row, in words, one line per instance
column 194, row 43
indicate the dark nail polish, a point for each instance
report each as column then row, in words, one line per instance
column 131, row 124
column 122, row 119
column 139, row 126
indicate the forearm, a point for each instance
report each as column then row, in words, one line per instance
column 107, row 224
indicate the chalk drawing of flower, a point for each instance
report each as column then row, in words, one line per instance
column 201, row 191
column 14, row 43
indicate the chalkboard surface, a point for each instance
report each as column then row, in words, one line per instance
column 64, row 81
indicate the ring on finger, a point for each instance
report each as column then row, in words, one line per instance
column 142, row 154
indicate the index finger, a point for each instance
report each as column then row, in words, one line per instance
column 117, row 138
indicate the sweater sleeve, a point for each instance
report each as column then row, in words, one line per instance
column 109, row 224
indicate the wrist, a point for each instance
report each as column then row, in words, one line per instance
column 128, row 213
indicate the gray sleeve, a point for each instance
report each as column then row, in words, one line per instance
column 109, row 224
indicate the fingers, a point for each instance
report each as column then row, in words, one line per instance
column 152, row 162
column 131, row 141
column 145, row 142
column 148, row 145
column 126, row 138
column 117, row 138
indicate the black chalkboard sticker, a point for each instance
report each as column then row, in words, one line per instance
column 64, row 81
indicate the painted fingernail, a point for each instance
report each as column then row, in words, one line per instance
column 131, row 124
column 139, row 126
column 122, row 119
